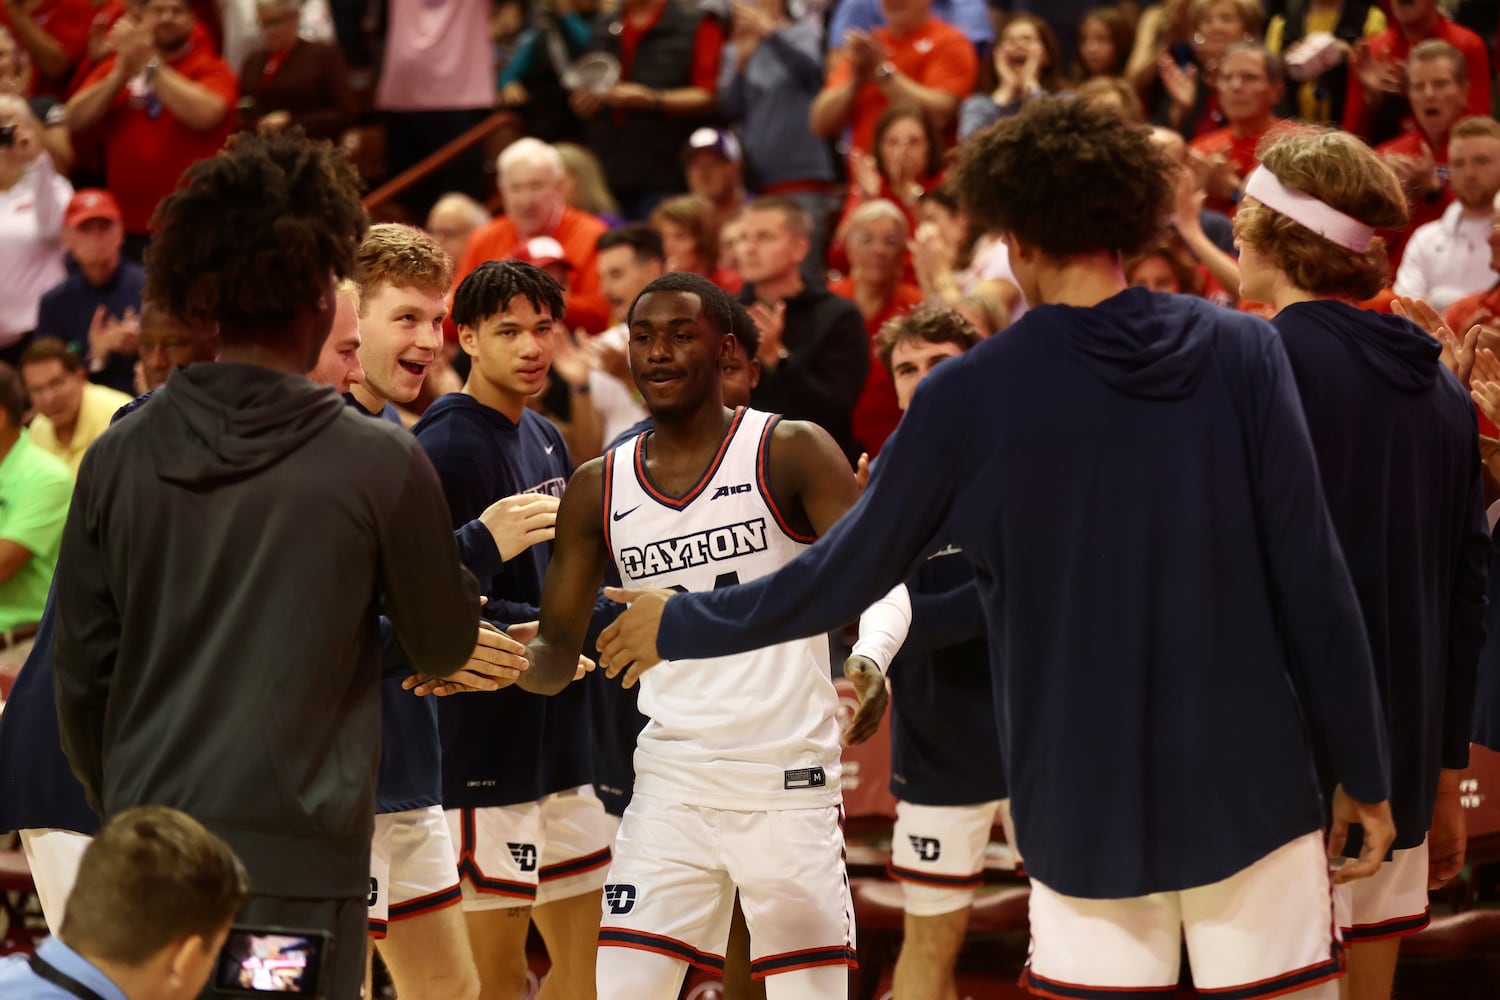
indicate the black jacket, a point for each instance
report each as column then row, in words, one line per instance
column 828, row 358
column 224, row 560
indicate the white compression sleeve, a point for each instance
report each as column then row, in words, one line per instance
column 883, row 628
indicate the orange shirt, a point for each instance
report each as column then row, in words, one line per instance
column 579, row 233
column 1239, row 151
column 935, row 55
column 146, row 147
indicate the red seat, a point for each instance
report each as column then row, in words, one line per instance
column 1471, row 934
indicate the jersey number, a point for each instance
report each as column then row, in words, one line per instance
column 720, row 582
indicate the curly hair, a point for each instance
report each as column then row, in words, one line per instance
column 713, row 300
column 250, row 237
column 489, row 288
column 1066, row 177
column 1338, row 170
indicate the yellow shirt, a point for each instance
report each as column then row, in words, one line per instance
column 99, row 404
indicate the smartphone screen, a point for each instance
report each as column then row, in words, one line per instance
column 261, row 960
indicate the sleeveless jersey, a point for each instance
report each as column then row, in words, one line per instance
column 754, row 731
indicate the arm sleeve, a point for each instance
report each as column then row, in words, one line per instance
column 431, row 600
column 1471, row 571
column 731, row 85
column 1357, row 118
column 52, row 195
column 798, row 52
column 708, row 47
column 904, row 505
column 86, row 643
column 944, row 619
column 1478, row 58
column 1329, row 654
column 477, row 550
column 883, row 627
column 1410, row 276
column 520, row 60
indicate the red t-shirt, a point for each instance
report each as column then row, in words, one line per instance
column 67, row 21
column 1421, row 211
column 1238, row 150
column 146, row 147
column 1391, row 44
column 935, row 55
column 876, row 412
column 578, row 233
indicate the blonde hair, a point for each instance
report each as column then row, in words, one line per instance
column 1250, row 11
column 1342, row 172
column 349, row 291
column 591, row 192
column 1474, row 127
column 400, row 255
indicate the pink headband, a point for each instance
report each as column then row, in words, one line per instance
column 1323, row 219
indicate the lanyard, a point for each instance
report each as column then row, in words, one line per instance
column 46, row 970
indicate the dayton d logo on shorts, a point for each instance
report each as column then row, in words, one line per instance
column 620, row 898
column 524, row 856
column 927, row 848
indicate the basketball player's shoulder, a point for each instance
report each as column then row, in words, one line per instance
column 795, row 440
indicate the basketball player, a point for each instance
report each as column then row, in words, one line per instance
column 533, row 837
column 1398, row 451
column 949, row 793
column 1131, row 476
column 736, row 784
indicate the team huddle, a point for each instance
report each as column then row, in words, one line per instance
column 1108, row 551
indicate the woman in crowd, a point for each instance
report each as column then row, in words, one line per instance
column 906, row 164
column 1028, row 63
column 586, row 188
column 1164, row 267
column 295, row 82
column 876, row 241
column 33, row 199
column 1178, row 77
column 689, row 229
column 1105, row 37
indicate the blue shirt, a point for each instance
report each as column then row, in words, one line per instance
column 972, row 17
column 18, row 982
column 67, row 311
column 481, row 456
column 1170, row 615
column 411, row 775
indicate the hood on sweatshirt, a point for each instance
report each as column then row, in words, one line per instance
column 1396, row 349
column 1144, row 344
column 223, row 421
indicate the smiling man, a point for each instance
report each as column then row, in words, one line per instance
column 403, row 278
column 71, row 410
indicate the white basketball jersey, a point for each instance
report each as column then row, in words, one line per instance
column 753, row 731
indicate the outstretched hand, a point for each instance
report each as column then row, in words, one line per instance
column 869, row 687
column 1458, row 352
column 629, row 644
column 518, row 522
column 495, row 663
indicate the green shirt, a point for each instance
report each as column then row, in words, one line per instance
column 35, row 488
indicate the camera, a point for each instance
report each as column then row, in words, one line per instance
column 257, row 961
column 7, row 136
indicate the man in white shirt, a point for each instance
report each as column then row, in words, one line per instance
column 1450, row 258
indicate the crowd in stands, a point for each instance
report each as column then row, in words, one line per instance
column 795, row 153
column 679, row 115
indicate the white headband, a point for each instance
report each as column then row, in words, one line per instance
column 1322, row 218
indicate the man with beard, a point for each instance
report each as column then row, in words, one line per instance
column 160, row 104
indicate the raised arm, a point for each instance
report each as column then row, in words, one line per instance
column 572, row 584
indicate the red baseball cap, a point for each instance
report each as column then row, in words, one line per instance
column 91, row 203
column 542, row 251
